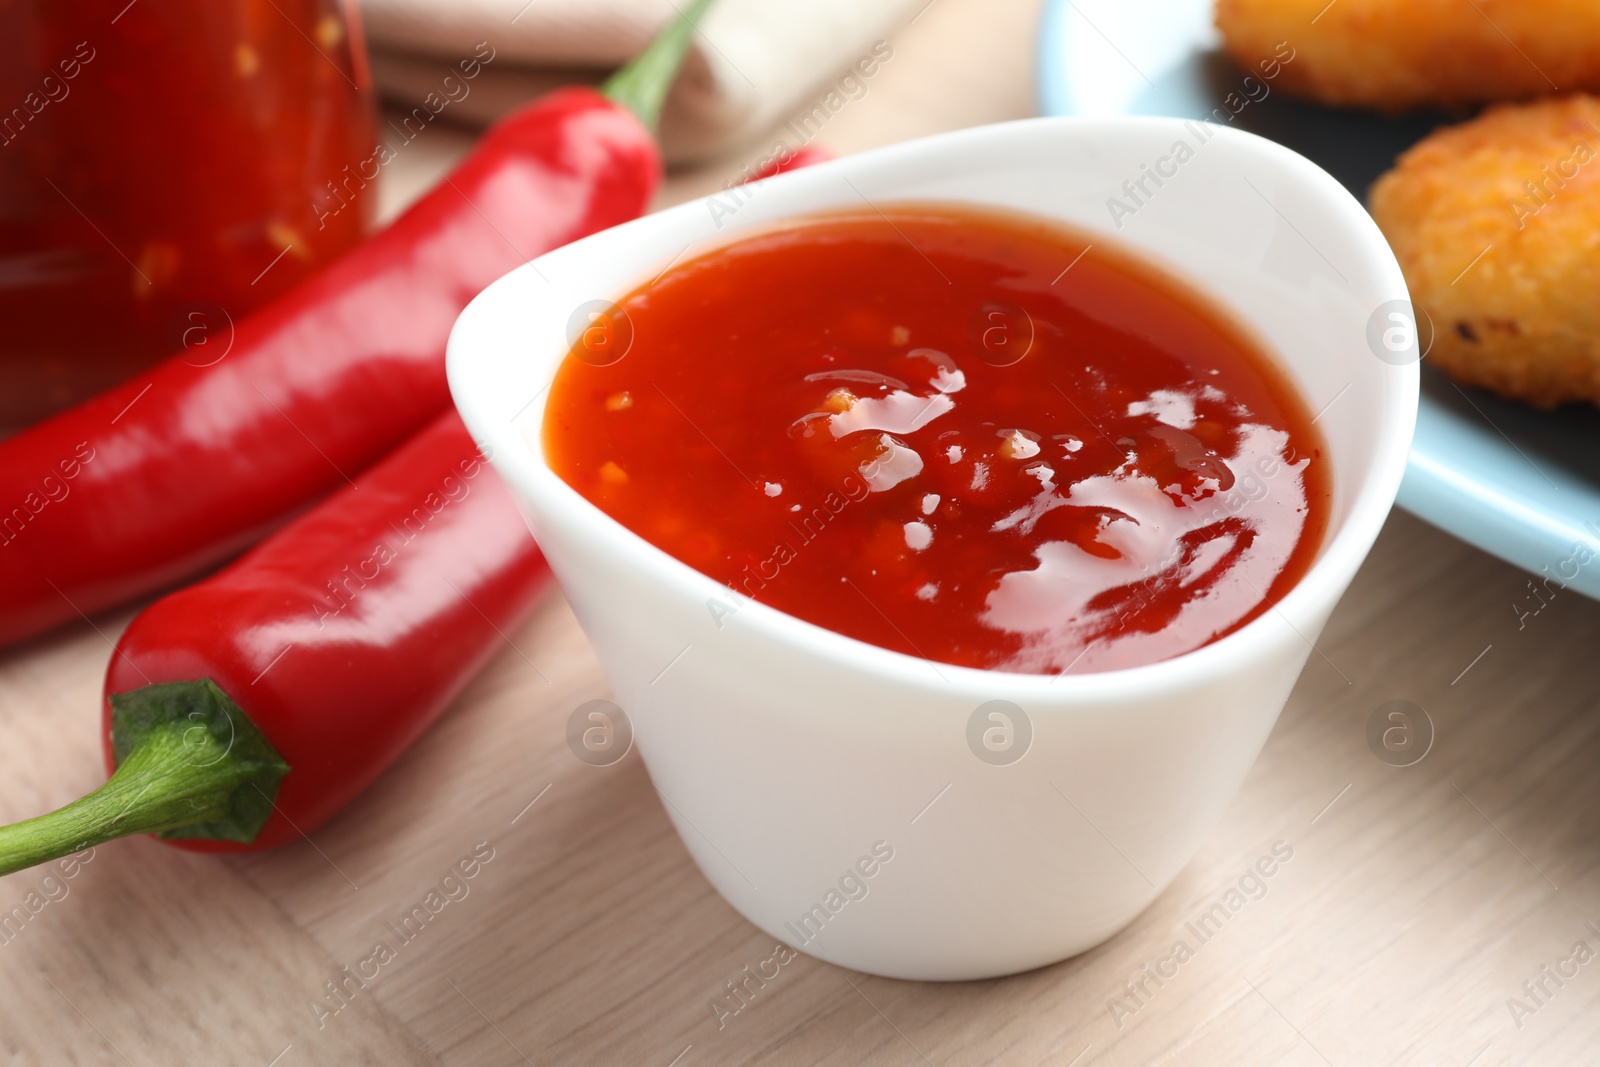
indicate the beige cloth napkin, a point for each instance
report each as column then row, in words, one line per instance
column 754, row 62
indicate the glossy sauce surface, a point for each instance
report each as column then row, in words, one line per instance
column 966, row 436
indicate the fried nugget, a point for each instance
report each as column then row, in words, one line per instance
column 1496, row 224
column 1395, row 55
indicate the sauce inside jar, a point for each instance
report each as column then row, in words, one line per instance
column 973, row 437
column 165, row 169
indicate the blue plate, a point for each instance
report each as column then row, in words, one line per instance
column 1519, row 483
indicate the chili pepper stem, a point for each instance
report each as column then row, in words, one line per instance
column 189, row 764
column 642, row 85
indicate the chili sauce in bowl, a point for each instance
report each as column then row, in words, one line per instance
column 970, row 436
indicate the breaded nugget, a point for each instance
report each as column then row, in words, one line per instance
column 1496, row 224
column 1394, row 55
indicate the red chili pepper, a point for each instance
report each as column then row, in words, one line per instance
column 247, row 709
column 185, row 465
column 328, row 648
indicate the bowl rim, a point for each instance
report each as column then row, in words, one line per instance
column 1372, row 492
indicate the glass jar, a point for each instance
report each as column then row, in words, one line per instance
column 166, row 166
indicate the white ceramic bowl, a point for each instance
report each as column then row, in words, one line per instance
column 786, row 753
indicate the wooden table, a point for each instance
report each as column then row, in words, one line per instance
column 1417, row 901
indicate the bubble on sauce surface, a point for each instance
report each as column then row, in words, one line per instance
column 1018, row 444
column 871, row 378
column 898, row 412
column 894, row 464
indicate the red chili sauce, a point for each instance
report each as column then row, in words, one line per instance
column 962, row 435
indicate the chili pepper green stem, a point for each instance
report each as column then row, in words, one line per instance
column 189, row 764
column 642, row 85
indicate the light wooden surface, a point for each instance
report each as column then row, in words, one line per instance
column 1417, row 900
